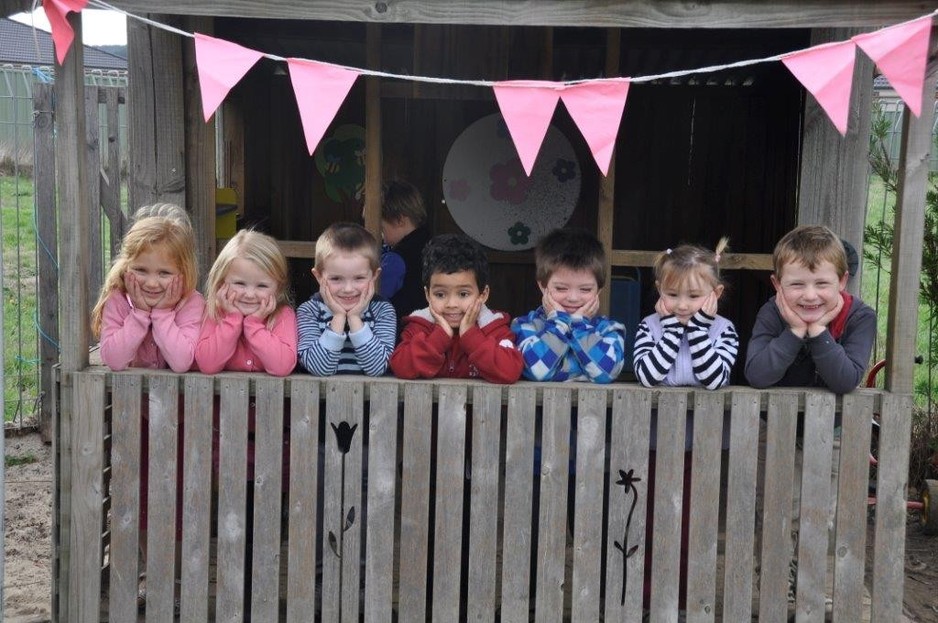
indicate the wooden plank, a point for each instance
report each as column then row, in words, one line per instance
column 373, row 150
column 599, row 13
column 125, row 496
column 850, row 549
column 483, row 507
column 519, row 483
column 341, row 516
column 815, row 504
column 588, row 499
column 87, row 463
column 268, row 467
column 300, row 249
column 415, row 495
column 110, row 177
column 450, row 479
column 607, row 183
column 163, row 424
column 776, row 551
column 61, row 501
column 46, row 218
column 730, row 261
column 892, row 477
column 628, row 455
column 304, row 473
column 382, row 487
column 740, row 505
column 196, row 497
column 552, row 520
column 232, row 497
column 93, row 155
column 703, row 532
column 141, row 111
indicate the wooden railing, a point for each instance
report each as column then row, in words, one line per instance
column 456, row 500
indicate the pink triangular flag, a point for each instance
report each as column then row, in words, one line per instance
column 320, row 89
column 901, row 53
column 596, row 108
column 62, row 33
column 527, row 106
column 221, row 65
column 826, row 71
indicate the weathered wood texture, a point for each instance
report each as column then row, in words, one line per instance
column 520, row 548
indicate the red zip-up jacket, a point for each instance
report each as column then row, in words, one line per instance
column 486, row 351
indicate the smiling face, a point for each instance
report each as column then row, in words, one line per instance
column 250, row 285
column 571, row 289
column 810, row 293
column 154, row 269
column 684, row 295
column 451, row 295
column 346, row 275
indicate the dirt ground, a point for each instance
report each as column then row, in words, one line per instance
column 28, row 543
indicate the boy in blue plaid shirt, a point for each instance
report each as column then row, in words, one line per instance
column 564, row 339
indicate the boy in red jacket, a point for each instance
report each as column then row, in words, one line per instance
column 457, row 336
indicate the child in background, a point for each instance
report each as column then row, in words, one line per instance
column 402, row 228
column 345, row 327
column 565, row 339
column 456, row 336
column 249, row 325
column 685, row 342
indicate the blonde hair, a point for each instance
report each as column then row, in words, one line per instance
column 162, row 224
column 673, row 265
column 810, row 245
column 257, row 248
column 347, row 238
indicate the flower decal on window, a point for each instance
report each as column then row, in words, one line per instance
column 519, row 233
column 564, row 170
column 509, row 183
column 459, row 189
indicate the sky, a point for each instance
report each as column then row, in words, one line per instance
column 98, row 27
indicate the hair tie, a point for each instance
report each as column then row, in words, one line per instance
column 716, row 258
column 667, row 251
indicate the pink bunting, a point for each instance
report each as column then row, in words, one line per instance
column 62, row 33
column 221, row 65
column 826, row 71
column 320, row 90
column 596, row 107
column 527, row 106
column 901, row 53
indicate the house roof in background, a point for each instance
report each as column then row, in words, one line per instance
column 18, row 46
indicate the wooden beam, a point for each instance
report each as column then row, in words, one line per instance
column 599, row 13
column 730, row 261
column 607, row 183
column 374, row 176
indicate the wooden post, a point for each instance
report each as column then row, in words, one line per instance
column 373, row 156
column 835, row 168
column 607, row 184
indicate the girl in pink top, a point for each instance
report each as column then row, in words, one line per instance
column 249, row 324
column 148, row 314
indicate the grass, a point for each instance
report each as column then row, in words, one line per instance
column 24, row 459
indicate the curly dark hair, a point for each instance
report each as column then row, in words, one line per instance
column 453, row 253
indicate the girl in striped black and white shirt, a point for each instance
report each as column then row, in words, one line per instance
column 685, row 342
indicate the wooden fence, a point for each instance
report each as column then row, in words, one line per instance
column 452, row 500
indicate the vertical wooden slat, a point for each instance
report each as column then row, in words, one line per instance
column 519, row 482
column 628, row 450
column 607, row 183
column 161, row 493
column 232, row 498
column 93, row 154
column 703, row 531
column 196, row 497
column 87, row 462
column 111, row 188
column 552, row 521
column 382, row 483
column 669, row 486
column 268, row 465
column 483, row 509
column 304, row 458
column 815, row 505
column 450, row 479
column 775, row 556
column 588, row 500
column 415, row 509
column 125, row 496
column 373, row 151
column 892, row 479
column 850, row 548
column 740, row 505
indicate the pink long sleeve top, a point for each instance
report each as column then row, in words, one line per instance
column 245, row 344
column 159, row 338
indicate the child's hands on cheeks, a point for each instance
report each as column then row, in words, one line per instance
column 135, row 292
column 354, row 314
column 548, row 303
column 589, row 309
column 471, row 317
column 225, row 300
column 709, row 306
column 265, row 308
column 172, row 295
column 440, row 320
column 794, row 322
column 820, row 325
column 338, row 313
column 661, row 308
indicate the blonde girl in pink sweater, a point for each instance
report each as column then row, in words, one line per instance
column 249, row 324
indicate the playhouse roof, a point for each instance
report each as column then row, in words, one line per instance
column 20, row 44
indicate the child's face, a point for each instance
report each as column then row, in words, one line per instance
column 346, row 275
column 250, row 286
column 451, row 295
column 685, row 296
column 154, row 270
column 810, row 294
column 571, row 289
